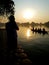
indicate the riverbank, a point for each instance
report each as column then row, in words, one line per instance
column 21, row 58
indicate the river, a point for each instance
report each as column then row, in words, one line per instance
column 36, row 45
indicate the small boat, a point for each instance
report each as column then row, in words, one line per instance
column 43, row 31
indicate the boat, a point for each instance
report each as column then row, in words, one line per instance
column 43, row 31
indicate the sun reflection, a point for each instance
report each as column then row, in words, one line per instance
column 28, row 33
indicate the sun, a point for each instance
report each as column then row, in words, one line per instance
column 28, row 14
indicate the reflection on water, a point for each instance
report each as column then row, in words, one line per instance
column 25, row 35
column 28, row 33
column 36, row 45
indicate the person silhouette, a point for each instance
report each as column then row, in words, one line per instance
column 11, row 29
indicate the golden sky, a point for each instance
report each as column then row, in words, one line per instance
column 32, row 10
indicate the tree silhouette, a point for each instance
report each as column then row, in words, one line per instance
column 6, row 7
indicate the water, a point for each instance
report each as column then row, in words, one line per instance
column 28, row 38
column 36, row 45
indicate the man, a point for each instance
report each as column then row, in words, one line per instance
column 11, row 28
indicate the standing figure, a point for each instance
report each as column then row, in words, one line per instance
column 11, row 28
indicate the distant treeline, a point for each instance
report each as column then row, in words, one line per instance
column 33, row 24
column 46, row 24
column 28, row 24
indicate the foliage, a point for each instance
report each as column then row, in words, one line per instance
column 6, row 7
